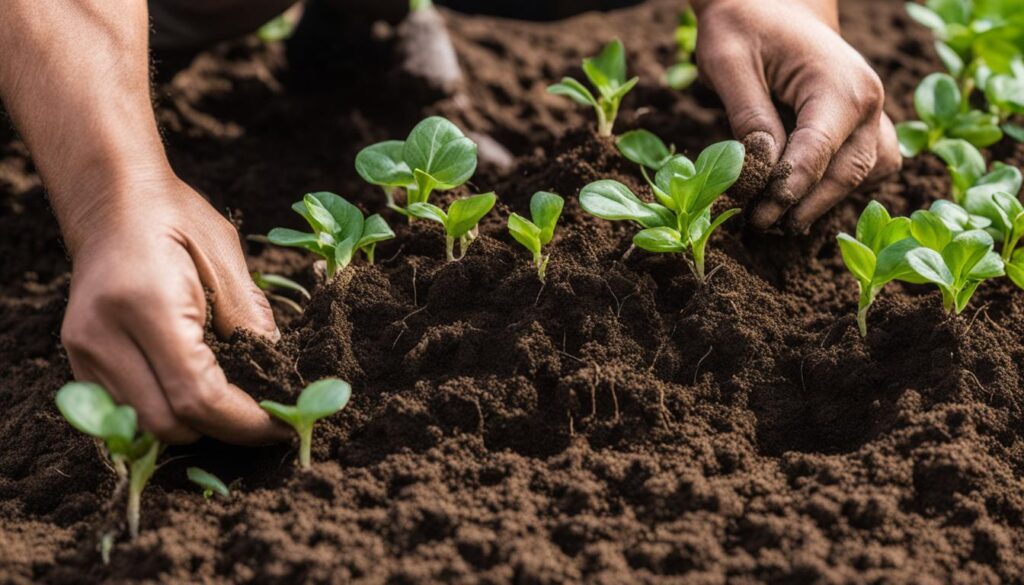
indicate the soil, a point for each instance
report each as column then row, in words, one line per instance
column 619, row 424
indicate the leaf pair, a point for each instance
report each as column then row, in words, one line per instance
column 607, row 73
column 682, row 75
column 1004, row 213
column 938, row 102
column 435, row 156
column 1005, row 94
column 339, row 230
column 460, row 221
column 681, row 219
column 545, row 209
column 317, row 401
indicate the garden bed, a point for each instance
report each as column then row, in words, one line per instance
column 618, row 424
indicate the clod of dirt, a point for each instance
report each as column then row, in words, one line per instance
column 779, row 185
column 757, row 166
column 426, row 51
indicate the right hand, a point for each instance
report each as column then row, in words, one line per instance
column 135, row 319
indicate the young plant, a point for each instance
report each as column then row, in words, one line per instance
column 435, row 156
column 339, row 230
column 319, row 400
column 1005, row 95
column 607, row 73
column 682, row 75
column 91, row 410
column 545, row 209
column 967, row 172
column 681, row 219
column 875, row 255
column 271, row 282
column 208, row 482
column 938, row 102
column 460, row 222
column 1004, row 212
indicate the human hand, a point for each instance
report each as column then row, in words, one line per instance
column 135, row 319
column 750, row 51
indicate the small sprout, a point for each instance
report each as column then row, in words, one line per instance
column 938, row 104
column 319, row 400
column 966, row 168
column 875, row 255
column 1004, row 213
column 545, row 209
column 645, row 149
column 339, row 230
column 210, row 483
column 91, row 410
column 681, row 219
column 1005, row 95
column 682, row 75
column 270, row 282
column 607, row 73
column 460, row 223
column 435, row 156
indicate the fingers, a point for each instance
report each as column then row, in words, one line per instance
column 890, row 161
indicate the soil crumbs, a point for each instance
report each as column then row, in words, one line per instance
column 617, row 425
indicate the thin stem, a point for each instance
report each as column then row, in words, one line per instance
column 370, row 251
column 141, row 470
column 867, row 297
column 604, row 126
column 449, row 248
column 305, row 446
column 541, row 261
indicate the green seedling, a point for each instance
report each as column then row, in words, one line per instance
column 339, row 230
column 1015, row 268
column 645, row 149
column 1005, row 95
column 208, row 482
column 607, row 73
column 938, row 104
column 955, row 262
column 91, row 410
column 435, row 156
column 271, row 282
column 682, row 75
column 875, row 255
column 545, row 209
column 967, row 172
column 1004, row 212
column 319, row 400
column 680, row 221
column 460, row 222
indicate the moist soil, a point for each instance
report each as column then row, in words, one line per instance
column 617, row 424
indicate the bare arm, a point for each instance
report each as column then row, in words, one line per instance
column 74, row 76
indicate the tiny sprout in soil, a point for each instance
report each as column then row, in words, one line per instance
column 681, row 219
column 339, row 230
column 271, row 282
column 682, row 75
column 940, row 107
column 966, row 168
column 545, row 209
column 607, row 73
column 460, row 222
column 91, row 410
column 319, row 400
column 435, row 156
column 208, row 482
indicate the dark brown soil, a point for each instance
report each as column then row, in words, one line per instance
column 618, row 425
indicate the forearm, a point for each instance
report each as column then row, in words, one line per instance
column 74, row 77
column 826, row 10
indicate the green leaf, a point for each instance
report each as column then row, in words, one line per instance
column 286, row 413
column 272, row 281
column 937, row 100
column 1014, row 131
column 898, row 229
column 953, row 62
column 681, row 76
column 623, row 89
column 660, row 240
column 383, row 164
column 872, row 222
column 859, row 258
column 1003, row 178
column 891, row 263
column 964, row 162
column 965, row 251
column 439, row 149
column 464, row 214
column 294, row 239
column 429, row 212
column 1015, row 268
column 118, row 429
column 644, row 148
column 929, row 230
column 701, row 241
column 677, row 166
column 575, row 91
column 208, row 481
column 952, row 11
column 718, row 168
column 320, row 217
column 323, row 398
column 612, row 200
column 545, row 209
column 956, row 218
column 525, row 232
column 929, row 265
column 375, row 230
column 347, row 218
column 991, row 265
column 978, row 128
column 913, row 137
column 607, row 71
column 926, row 17
column 85, row 405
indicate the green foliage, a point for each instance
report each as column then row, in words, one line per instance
column 967, row 172
column 460, row 222
column 1005, row 94
column 997, row 202
column 339, row 230
column 268, row 283
column 645, row 149
column 435, row 156
column 607, row 73
column 681, row 219
column 956, row 263
column 938, row 102
column 208, row 482
column 415, row 5
column 91, row 410
column 318, row 400
column 682, row 75
column 545, row 209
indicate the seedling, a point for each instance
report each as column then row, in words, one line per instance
column 1004, row 212
column 91, row 410
column 319, row 400
column 682, row 75
column 435, row 156
column 1005, row 95
column 545, row 209
column 460, row 222
column 271, row 282
column 875, row 255
column 208, row 482
column 339, row 230
column 967, row 172
column 607, row 73
column 681, row 219
column 938, row 104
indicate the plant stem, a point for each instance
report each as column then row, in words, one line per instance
column 604, row 125
column 541, row 261
column 370, row 250
column 867, row 297
column 305, row 446
column 141, row 470
column 449, row 248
